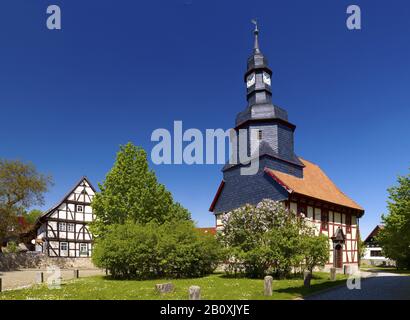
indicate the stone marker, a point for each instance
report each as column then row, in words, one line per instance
column 268, row 285
column 76, row 274
column 1, row 284
column 194, row 293
column 333, row 274
column 307, row 276
column 164, row 287
column 347, row 270
column 39, row 277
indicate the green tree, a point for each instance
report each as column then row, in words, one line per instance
column 316, row 251
column 131, row 192
column 21, row 186
column 32, row 216
column 394, row 238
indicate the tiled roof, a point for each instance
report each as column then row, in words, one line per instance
column 315, row 183
column 207, row 230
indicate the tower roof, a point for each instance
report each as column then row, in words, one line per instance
column 257, row 60
column 259, row 92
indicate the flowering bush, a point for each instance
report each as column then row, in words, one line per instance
column 269, row 239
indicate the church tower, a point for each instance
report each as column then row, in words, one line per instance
column 268, row 130
column 268, row 124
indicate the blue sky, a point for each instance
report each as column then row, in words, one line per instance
column 120, row 69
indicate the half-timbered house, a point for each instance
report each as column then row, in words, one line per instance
column 283, row 176
column 373, row 253
column 63, row 230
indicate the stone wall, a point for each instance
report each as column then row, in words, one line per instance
column 30, row 260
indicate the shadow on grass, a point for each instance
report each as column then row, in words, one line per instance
column 314, row 288
column 296, row 276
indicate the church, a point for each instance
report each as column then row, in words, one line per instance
column 283, row 176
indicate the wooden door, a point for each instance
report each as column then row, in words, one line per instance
column 338, row 256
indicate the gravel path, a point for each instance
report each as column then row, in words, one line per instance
column 379, row 286
column 27, row 277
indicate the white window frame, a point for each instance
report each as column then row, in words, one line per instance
column 83, row 252
column 70, row 227
column 80, row 208
column 62, row 226
column 61, row 244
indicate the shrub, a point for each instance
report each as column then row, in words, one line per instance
column 173, row 249
column 269, row 239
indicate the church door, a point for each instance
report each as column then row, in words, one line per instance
column 338, row 258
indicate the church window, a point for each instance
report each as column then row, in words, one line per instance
column 259, row 134
column 348, row 223
column 324, row 220
column 302, row 210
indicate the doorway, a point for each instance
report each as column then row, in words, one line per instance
column 338, row 257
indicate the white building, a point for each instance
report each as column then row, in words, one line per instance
column 63, row 231
column 373, row 253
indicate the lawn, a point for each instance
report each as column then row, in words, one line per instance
column 385, row 269
column 215, row 286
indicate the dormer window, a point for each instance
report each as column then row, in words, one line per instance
column 80, row 208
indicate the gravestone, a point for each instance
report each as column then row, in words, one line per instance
column 194, row 293
column 267, row 285
column 39, row 277
column 333, row 274
column 307, row 276
column 164, row 287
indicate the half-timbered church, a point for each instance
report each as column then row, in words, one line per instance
column 63, row 231
column 283, row 176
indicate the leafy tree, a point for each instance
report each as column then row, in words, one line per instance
column 173, row 249
column 21, row 186
column 316, row 251
column 361, row 246
column 131, row 192
column 32, row 216
column 394, row 238
column 268, row 238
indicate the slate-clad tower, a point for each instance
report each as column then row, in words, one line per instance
column 282, row 176
column 268, row 130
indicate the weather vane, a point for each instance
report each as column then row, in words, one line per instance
column 255, row 22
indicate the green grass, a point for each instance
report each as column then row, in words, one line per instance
column 385, row 269
column 216, row 286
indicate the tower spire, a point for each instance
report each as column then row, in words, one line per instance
column 256, row 34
